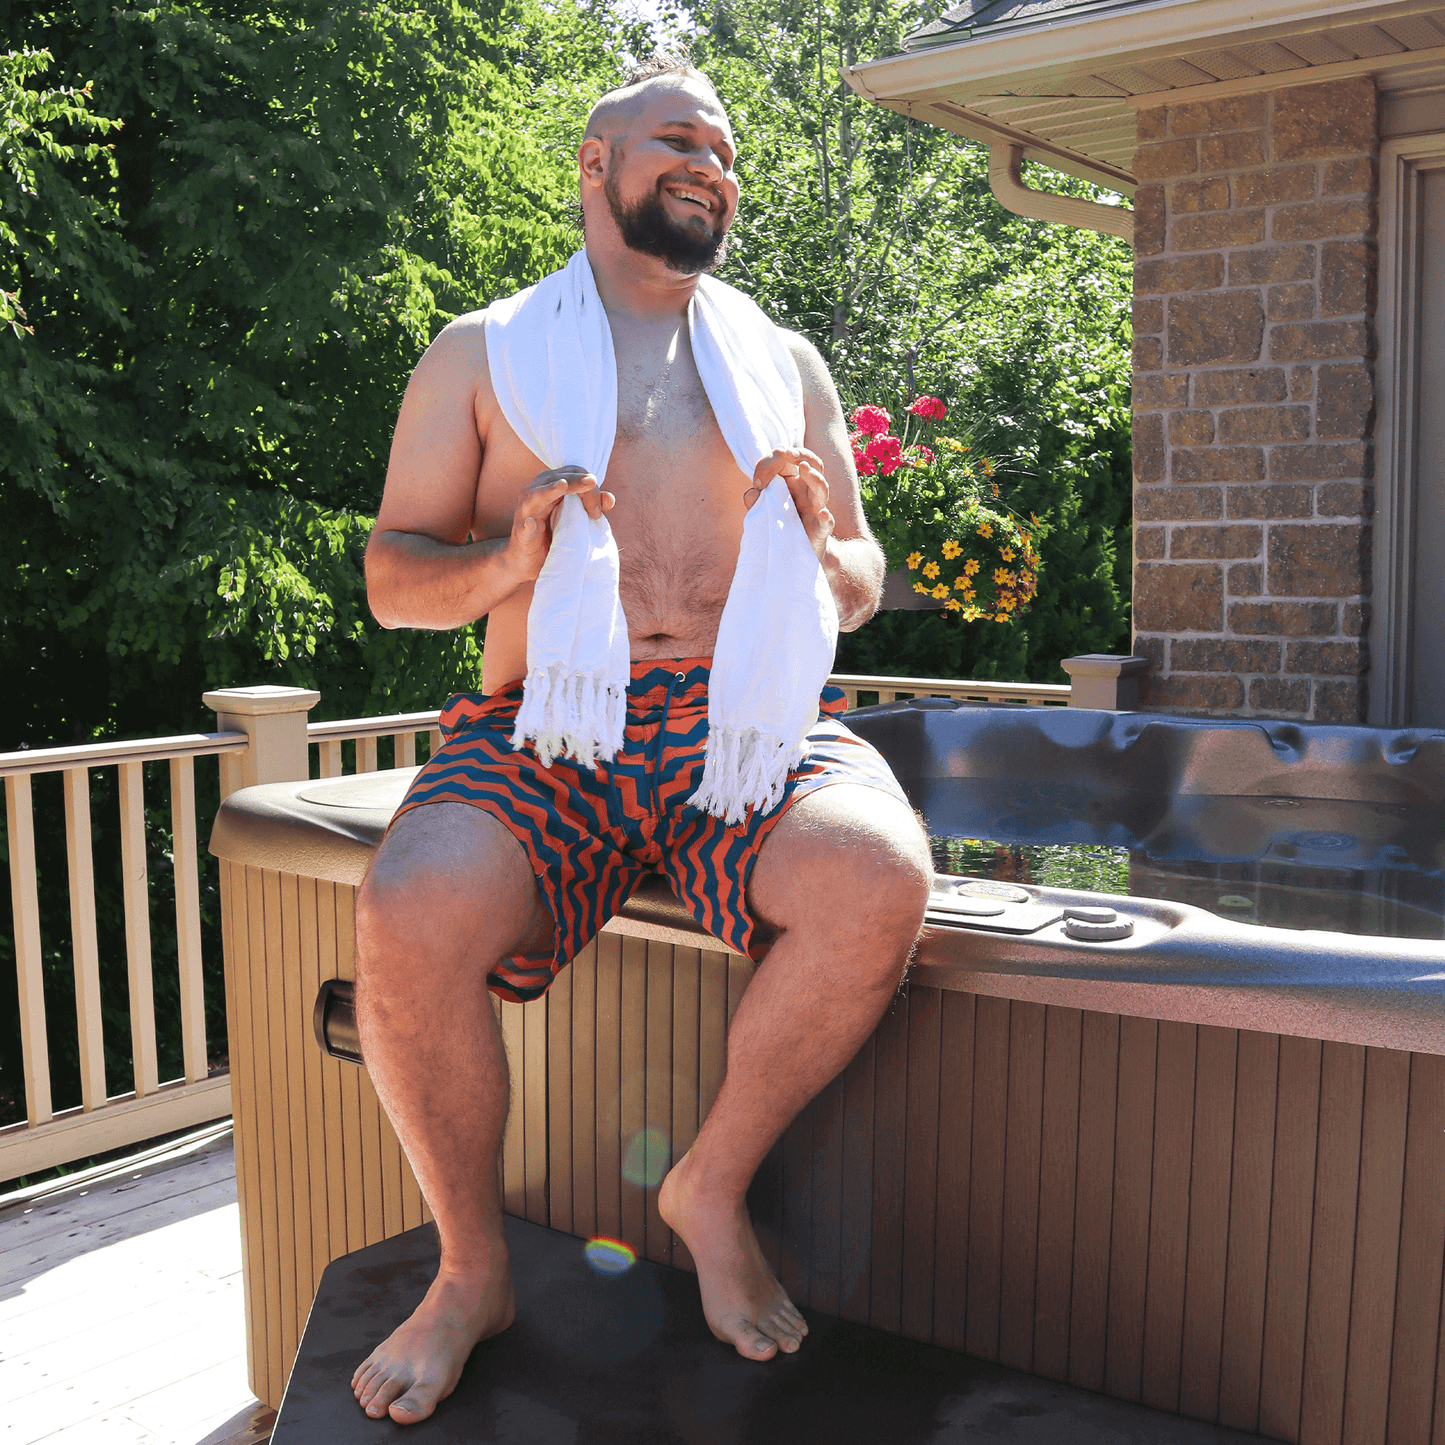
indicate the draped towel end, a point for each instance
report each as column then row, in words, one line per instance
column 571, row 714
column 743, row 768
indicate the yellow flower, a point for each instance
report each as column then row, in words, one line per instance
column 1003, row 577
column 1027, row 578
column 972, row 614
column 919, row 587
column 1001, row 617
column 970, row 567
column 1007, row 602
column 914, row 558
column 954, row 605
column 1034, row 518
column 994, row 485
column 984, row 530
column 952, row 444
column 968, row 594
column 941, row 591
column 1007, row 553
column 951, row 550
column 930, row 570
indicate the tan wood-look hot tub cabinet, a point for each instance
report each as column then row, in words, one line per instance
column 1148, row 1182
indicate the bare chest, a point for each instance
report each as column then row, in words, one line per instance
column 679, row 513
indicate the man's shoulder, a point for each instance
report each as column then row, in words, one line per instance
column 812, row 369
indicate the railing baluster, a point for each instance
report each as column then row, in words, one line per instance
column 366, row 755
column 434, row 740
column 24, row 897
column 330, row 759
column 405, row 745
column 84, row 945
column 188, row 918
column 137, row 927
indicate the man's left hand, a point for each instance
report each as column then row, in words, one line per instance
column 802, row 470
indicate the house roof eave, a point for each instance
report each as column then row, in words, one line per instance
column 1038, row 59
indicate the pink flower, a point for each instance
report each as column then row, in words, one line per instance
column 921, row 456
column 866, row 466
column 871, row 420
column 887, row 452
column 928, row 408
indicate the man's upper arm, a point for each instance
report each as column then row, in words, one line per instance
column 436, row 451
column 826, row 433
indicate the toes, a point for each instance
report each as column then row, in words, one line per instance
column 787, row 1335
column 415, row 1405
column 364, row 1381
column 753, row 1344
column 384, row 1392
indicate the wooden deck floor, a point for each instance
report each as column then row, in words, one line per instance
column 120, row 1305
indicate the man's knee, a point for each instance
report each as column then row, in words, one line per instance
column 448, row 884
column 854, row 856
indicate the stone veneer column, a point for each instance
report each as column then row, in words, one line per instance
column 1253, row 401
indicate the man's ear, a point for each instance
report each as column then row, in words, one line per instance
column 592, row 160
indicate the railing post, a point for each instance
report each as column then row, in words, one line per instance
column 1108, row 683
column 274, row 718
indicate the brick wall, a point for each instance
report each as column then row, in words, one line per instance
column 1253, row 401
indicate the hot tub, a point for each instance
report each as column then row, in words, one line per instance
column 1115, row 1135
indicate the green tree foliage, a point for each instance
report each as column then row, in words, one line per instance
column 227, row 231
column 224, row 301
column 881, row 241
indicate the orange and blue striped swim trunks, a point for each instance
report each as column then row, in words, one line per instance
column 593, row 835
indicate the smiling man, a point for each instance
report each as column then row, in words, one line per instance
column 497, row 868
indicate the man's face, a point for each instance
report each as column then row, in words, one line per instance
column 670, row 183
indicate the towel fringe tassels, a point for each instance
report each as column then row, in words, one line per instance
column 743, row 769
column 571, row 714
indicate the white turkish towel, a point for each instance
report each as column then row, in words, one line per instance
column 555, row 377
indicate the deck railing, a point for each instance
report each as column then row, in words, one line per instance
column 263, row 738
column 104, row 1121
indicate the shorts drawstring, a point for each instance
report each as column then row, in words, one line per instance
column 654, row 764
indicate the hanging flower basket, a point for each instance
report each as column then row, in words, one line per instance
column 935, row 503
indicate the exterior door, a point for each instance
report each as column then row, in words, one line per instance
column 1407, row 632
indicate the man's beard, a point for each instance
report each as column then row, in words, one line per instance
column 646, row 227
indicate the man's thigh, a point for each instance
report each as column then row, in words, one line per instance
column 840, row 856
column 449, row 873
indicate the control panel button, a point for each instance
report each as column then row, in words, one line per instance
column 983, row 888
column 969, row 907
column 1091, row 915
column 1087, row 932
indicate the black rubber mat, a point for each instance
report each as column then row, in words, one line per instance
column 628, row 1360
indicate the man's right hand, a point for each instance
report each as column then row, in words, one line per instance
column 537, row 513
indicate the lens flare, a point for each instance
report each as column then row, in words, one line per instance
column 645, row 1161
column 609, row 1256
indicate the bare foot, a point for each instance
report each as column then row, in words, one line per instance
column 743, row 1302
column 420, row 1362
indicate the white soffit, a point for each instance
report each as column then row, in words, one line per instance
column 1068, row 91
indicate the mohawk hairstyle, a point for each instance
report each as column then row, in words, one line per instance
column 665, row 62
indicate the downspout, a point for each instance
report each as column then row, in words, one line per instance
column 1005, row 162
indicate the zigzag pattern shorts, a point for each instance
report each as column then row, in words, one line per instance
column 593, row 835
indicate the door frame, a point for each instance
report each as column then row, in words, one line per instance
column 1397, row 462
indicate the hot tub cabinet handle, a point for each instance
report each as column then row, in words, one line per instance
column 334, row 1021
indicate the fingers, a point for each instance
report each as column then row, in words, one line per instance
column 801, row 469
column 550, row 487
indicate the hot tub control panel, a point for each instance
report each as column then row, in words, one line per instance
column 1007, row 908
column 992, row 907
